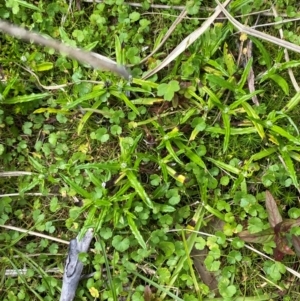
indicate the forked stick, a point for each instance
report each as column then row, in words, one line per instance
column 74, row 266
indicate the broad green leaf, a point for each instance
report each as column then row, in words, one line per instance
column 76, row 187
column 225, row 166
column 30, row 185
column 127, row 102
column 199, row 125
column 265, row 153
column 281, row 82
column 51, row 111
column 190, row 154
column 294, row 101
column 264, row 52
column 120, row 243
column 284, row 133
column 44, row 66
column 290, row 167
column 147, row 101
column 88, row 96
column 251, row 113
column 245, row 74
column 172, row 152
column 25, row 98
column 168, row 90
column 145, row 83
column 244, row 98
column 111, row 166
column 27, row 5
column 219, row 81
column 139, row 188
column 226, row 123
column 213, row 97
column 219, row 67
column 135, row 230
column 233, row 131
column 167, row 247
column 91, row 46
column 37, row 166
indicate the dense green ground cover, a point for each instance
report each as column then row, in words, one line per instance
column 151, row 162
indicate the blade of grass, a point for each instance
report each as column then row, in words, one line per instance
column 135, row 230
column 290, row 167
column 278, row 130
column 226, row 124
column 254, row 116
column 190, row 154
column 139, row 188
column 107, row 266
column 85, row 97
column 224, row 166
column 76, row 187
column 293, row 102
column 127, row 102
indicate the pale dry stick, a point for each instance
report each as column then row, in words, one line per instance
column 251, row 76
column 276, row 23
column 56, row 87
column 64, row 17
column 18, row 272
column 94, row 59
column 168, row 33
column 256, row 33
column 28, row 194
column 34, row 234
column 286, row 56
column 186, row 42
column 15, row 173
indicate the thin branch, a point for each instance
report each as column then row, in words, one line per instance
column 287, row 57
column 257, row 34
column 35, row 234
column 94, row 59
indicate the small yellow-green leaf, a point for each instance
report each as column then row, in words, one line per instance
column 25, row 98
column 44, row 66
